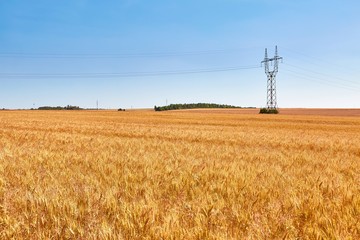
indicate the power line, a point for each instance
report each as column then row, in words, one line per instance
column 123, row 74
column 115, row 55
column 323, row 74
column 321, row 80
column 316, row 60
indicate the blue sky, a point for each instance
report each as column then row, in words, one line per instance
column 62, row 52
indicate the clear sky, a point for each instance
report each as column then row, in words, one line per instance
column 141, row 53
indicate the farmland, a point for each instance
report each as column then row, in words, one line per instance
column 178, row 175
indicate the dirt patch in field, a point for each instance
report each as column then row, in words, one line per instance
column 321, row 111
column 284, row 111
column 225, row 111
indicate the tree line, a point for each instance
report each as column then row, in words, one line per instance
column 192, row 106
column 68, row 107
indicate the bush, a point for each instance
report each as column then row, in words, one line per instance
column 269, row 111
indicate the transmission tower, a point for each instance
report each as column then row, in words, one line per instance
column 271, row 78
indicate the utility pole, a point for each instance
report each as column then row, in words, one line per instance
column 271, row 104
column 97, row 104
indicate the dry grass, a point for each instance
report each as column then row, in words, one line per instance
column 337, row 112
column 174, row 175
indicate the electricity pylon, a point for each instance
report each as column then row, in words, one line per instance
column 271, row 78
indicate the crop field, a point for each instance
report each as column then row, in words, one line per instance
column 178, row 175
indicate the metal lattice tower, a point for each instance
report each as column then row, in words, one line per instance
column 271, row 78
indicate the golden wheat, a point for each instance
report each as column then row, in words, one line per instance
column 178, row 175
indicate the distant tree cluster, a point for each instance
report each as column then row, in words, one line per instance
column 121, row 109
column 68, row 107
column 268, row 111
column 192, row 106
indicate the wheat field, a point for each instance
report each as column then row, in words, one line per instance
column 178, row 175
